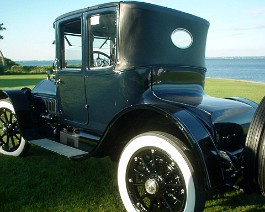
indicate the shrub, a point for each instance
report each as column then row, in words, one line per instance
column 12, row 67
column 29, row 69
column 16, row 68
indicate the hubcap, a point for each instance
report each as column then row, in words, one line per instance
column 151, row 186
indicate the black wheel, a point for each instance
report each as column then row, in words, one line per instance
column 155, row 173
column 11, row 141
column 254, row 153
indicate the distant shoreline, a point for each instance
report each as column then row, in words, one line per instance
column 245, row 69
column 207, row 58
column 237, row 58
column 238, row 80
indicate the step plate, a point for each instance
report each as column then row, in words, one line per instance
column 58, row 148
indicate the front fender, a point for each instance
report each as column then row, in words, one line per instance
column 23, row 110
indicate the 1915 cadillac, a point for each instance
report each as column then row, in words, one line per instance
column 128, row 82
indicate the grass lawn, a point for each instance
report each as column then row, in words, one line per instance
column 44, row 181
column 20, row 81
column 229, row 88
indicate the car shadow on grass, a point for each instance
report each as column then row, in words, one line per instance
column 45, row 181
column 234, row 200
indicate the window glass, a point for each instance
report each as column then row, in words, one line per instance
column 181, row 38
column 102, row 31
column 72, row 39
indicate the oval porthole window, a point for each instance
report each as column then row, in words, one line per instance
column 181, row 38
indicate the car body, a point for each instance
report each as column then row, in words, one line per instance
column 130, row 76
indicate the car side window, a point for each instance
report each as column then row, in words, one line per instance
column 102, row 40
column 72, row 44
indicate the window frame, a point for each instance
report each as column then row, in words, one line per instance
column 62, row 42
column 87, row 28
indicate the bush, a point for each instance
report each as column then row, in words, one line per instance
column 18, row 69
column 12, row 67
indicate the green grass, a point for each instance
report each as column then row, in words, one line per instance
column 229, row 88
column 44, row 181
column 20, row 81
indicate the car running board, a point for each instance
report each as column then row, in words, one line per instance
column 59, row 148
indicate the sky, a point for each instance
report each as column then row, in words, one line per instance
column 237, row 27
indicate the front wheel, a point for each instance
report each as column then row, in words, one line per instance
column 156, row 173
column 11, row 141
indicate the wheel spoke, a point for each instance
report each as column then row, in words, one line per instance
column 5, row 115
column 143, row 196
column 140, row 173
column 152, row 204
column 138, row 184
column 4, row 141
column 144, row 165
column 1, row 139
column 173, row 185
column 7, row 140
column 153, row 157
column 2, row 120
column 167, row 204
column 10, row 118
column 13, row 141
column 17, row 137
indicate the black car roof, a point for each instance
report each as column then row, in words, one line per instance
column 145, row 35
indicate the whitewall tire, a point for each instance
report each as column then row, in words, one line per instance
column 155, row 174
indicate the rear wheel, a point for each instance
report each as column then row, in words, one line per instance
column 254, row 153
column 11, row 141
column 156, row 173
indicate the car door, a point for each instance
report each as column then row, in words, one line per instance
column 70, row 71
column 102, row 82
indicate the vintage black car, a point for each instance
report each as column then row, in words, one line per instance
column 128, row 82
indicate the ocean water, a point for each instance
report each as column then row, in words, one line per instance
column 250, row 69
column 35, row 62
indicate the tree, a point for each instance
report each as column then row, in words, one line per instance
column 2, row 29
column 2, row 59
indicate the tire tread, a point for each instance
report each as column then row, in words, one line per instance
column 252, row 150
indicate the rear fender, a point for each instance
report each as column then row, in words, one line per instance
column 202, row 143
column 245, row 100
column 195, row 132
column 24, row 111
